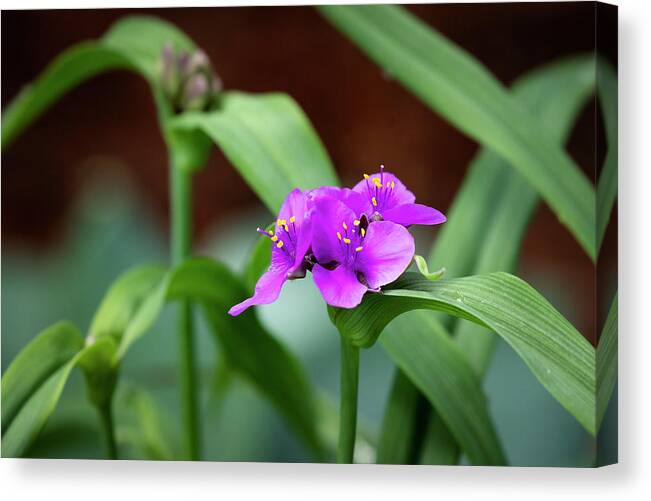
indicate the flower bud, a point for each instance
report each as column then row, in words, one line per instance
column 188, row 79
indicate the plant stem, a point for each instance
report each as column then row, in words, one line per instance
column 348, row 403
column 106, row 421
column 181, row 231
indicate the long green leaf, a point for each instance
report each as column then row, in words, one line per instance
column 32, row 416
column 607, row 184
column 465, row 412
column 607, row 361
column 248, row 348
column 133, row 43
column 555, row 93
column 130, row 306
column 561, row 359
column 43, row 357
column 270, row 142
column 454, row 84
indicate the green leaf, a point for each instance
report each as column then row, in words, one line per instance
column 561, row 359
column 607, row 184
column 396, row 443
column 37, row 363
column 130, row 307
column 409, row 343
column 555, row 93
column 607, row 361
column 421, row 264
column 269, row 140
column 453, row 83
column 33, row 415
column 140, row 39
column 248, row 348
column 144, row 431
column 133, row 43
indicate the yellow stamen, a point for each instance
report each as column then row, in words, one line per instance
column 357, row 249
column 393, row 184
column 339, row 235
column 356, row 222
column 286, row 228
column 366, row 176
column 344, row 225
column 377, row 182
column 363, row 232
column 374, row 201
column 346, row 240
column 292, row 219
column 271, row 232
column 274, row 238
column 280, row 244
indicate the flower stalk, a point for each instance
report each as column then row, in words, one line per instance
column 181, row 232
column 348, row 401
column 106, row 422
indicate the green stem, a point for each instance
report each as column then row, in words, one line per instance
column 106, row 421
column 181, row 203
column 348, row 404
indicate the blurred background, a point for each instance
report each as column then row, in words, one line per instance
column 84, row 196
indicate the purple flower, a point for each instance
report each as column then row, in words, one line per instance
column 384, row 197
column 291, row 241
column 352, row 255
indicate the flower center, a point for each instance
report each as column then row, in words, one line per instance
column 351, row 239
column 284, row 236
column 379, row 190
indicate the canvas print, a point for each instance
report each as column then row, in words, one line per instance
column 354, row 234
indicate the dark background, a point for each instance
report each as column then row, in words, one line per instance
column 363, row 118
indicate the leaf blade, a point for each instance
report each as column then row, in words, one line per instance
column 467, row 418
column 269, row 140
column 454, row 84
column 560, row 358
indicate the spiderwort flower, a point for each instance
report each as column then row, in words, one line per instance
column 352, row 255
column 384, row 197
column 291, row 241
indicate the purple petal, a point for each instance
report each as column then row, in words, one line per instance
column 270, row 283
column 358, row 203
column 339, row 287
column 399, row 193
column 327, row 217
column 295, row 204
column 387, row 251
column 407, row 214
column 303, row 237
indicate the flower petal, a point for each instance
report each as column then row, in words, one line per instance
column 270, row 283
column 295, row 204
column 303, row 241
column 387, row 251
column 407, row 214
column 327, row 218
column 358, row 203
column 399, row 194
column 339, row 287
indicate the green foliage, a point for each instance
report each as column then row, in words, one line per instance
column 248, row 348
column 607, row 184
column 560, row 357
column 607, row 361
column 555, row 93
column 454, row 84
column 269, row 140
column 425, row 352
column 35, row 364
column 134, row 43
column 421, row 264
